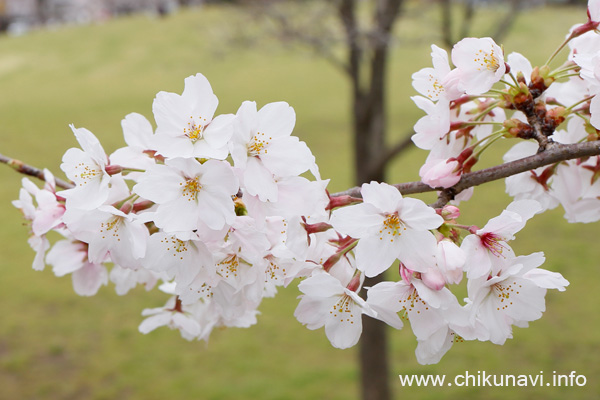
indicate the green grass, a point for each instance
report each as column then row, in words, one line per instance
column 56, row 345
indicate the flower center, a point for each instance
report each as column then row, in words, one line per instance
column 194, row 130
column 503, row 291
column 178, row 247
column 411, row 303
column 493, row 243
column 342, row 309
column 392, row 226
column 86, row 173
column 191, row 187
column 111, row 228
column 229, row 266
column 436, row 88
column 258, row 144
column 488, row 61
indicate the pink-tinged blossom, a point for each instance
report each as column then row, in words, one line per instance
column 139, row 136
column 450, row 260
column 531, row 184
column 44, row 216
column 422, row 306
column 179, row 259
column 444, row 164
column 86, row 167
column 590, row 73
column 513, row 296
column 577, row 191
column 47, row 213
column 188, row 192
column 594, row 10
column 487, row 249
column 296, row 196
column 71, row 257
column 173, row 315
column 479, row 65
column 109, row 231
column 518, row 63
column 126, row 279
column 433, row 127
column 325, row 302
column 440, row 172
column 264, row 150
column 389, row 227
column 184, row 123
column 429, row 81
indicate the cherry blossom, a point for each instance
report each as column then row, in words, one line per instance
column 487, row 249
column 71, row 257
column 513, row 296
column 325, row 302
column 185, row 124
column 188, row 192
column 479, row 65
column 263, row 148
column 389, row 227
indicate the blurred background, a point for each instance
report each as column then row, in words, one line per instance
column 90, row 63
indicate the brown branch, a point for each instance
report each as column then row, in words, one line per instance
column 26, row 169
column 346, row 12
column 555, row 152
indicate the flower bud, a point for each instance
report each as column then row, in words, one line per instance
column 450, row 212
column 113, row 169
column 433, row 279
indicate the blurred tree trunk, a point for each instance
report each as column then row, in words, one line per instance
column 366, row 55
column 3, row 16
column 41, row 11
column 497, row 32
column 367, row 67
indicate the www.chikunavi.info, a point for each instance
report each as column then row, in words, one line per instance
column 483, row 379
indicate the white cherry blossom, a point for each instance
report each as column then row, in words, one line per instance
column 389, row 227
column 188, row 192
column 325, row 302
column 185, row 125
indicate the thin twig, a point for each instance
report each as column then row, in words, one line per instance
column 26, row 169
column 555, row 152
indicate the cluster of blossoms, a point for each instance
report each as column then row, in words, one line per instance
column 218, row 213
column 466, row 114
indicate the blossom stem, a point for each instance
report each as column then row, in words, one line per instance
column 567, row 40
column 490, row 140
column 331, row 261
column 487, row 110
column 508, row 83
column 567, row 68
column 475, row 123
column 512, row 76
column 133, row 170
column 572, row 106
column 566, row 76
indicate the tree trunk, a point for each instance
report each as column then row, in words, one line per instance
column 369, row 126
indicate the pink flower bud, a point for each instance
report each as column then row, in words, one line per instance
column 440, row 173
column 113, row 169
column 433, row 279
column 450, row 212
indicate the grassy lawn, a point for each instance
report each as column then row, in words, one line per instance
column 56, row 345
